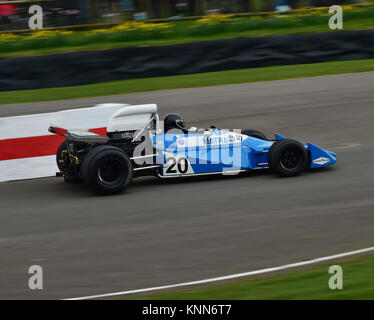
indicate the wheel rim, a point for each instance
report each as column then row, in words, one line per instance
column 110, row 171
column 291, row 158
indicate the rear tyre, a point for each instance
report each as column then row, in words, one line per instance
column 255, row 134
column 287, row 158
column 59, row 158
column 107, row 169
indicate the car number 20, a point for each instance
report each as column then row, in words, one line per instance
column 176, row 165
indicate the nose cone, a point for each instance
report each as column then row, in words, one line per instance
column 320, row 157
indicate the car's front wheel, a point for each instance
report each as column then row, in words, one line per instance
column 107, row 169
column 287, row 157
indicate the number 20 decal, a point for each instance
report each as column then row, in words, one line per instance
column 176, row 165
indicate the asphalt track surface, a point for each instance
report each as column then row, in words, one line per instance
column 171, row 231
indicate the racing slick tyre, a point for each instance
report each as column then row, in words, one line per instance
column 59, row 160
column 287, row 157
column 107, row 169
column 254, row 134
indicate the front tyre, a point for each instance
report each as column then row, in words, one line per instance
column 107, row 169
column 287, row 158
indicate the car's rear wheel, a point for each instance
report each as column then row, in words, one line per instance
column 60, row 161
column 255, row 134
column 107, row 169
column 287, row 157
column 59, row 155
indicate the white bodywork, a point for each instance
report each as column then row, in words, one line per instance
column 130, row 118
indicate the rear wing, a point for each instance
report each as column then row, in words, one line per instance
column 63, row 132
column 58, row 130
column 85, row 136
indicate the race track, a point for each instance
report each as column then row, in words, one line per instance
column 164, row 232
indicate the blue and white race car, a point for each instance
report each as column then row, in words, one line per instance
column 139, row 144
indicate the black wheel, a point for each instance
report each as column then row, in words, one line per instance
column 254, row 134
column 287, row 157
column 107, row 169
column 59, row 158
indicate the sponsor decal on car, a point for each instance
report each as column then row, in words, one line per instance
column 321, row 161
column 217, row 139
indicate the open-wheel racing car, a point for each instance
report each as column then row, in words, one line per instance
column 138, row 144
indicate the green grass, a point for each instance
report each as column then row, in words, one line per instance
column 64, row 47
column 358, row 283
column 184, row 31
column 188, row 81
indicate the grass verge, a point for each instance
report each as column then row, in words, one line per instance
column 358, row 283
column 210, row 27
column 188, row 81
column 57, row 47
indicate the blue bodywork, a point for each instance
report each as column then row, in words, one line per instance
column 221, row 151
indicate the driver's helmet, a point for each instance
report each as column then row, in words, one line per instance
column 173, row 121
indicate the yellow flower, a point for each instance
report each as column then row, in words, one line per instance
column 142, row 26
column 65, row 32
column 214, row 18
column 8, row 36
column 95, row 31
column 41, row 34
